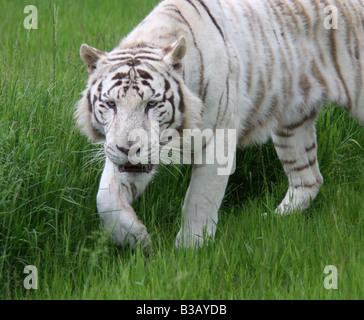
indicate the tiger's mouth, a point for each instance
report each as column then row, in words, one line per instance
column 139, row 168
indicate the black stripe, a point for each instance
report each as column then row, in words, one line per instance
column 89, row 101
column 220, row 106
column 212, row 18
column 126, row 88
column 181, row 102
column 97, row 119
column 310, row 164
column 171, row 101
column 147, row 109
column 172, row 16
column 144, row 45
column 227, row 100
column 120, row 59
column 133, row 62
column 126, row 187
column 117, row 66
column 283, row 134
column 144, row 74
column 134, row 190
column 95, row 99
column 147, row 84
column 281, row 146
column 151, row 67
column 193, row 5
column 167, row 85
column 117, row 84
column 99, row 88
column 202, row 73
column 147, row 58
column 309, row 186
column 313, row 147
column 301, row 123
column 132, row 52
column 204, row 95
column 119, row 76
column 287, row 162
column 335, row 58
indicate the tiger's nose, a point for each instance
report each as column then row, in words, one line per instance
column 123, row 150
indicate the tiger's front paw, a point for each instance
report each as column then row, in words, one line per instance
column 191, row 239
column 145, row 243
column 135, row 237
column 126, row 232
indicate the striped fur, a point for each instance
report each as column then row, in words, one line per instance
column 262, row 67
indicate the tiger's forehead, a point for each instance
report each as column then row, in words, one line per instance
column 140, row 61
column 129, row 79
column 147, row 56
column 140, row 52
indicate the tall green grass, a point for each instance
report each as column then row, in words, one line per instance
column 48, row 185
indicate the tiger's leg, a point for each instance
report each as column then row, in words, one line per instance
column 296, row 147
column 116, row 214
column 202, row 202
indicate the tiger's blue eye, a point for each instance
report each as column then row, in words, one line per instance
column 152, row 104
column 111, row 104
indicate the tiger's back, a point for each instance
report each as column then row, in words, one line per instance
column 256, row 60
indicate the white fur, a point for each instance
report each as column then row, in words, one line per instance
column 261, row 67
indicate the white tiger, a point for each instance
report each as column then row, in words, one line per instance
column 261, row 67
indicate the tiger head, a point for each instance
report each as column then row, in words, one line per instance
column 132, row 89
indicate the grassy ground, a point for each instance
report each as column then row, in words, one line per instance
column 48, row 185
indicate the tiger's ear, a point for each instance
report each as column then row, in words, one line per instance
column 90, row 56
column 175, row 53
